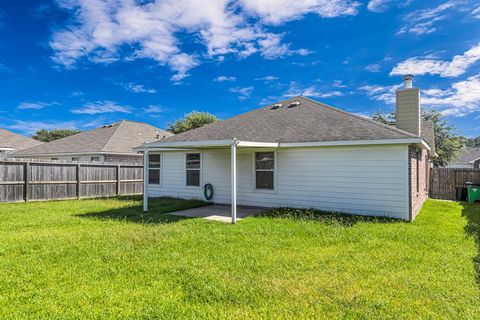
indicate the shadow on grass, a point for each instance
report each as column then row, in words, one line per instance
column 336, row 218
column 472, row 212
column 157, row 212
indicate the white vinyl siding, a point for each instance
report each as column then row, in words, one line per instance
column 371, row 180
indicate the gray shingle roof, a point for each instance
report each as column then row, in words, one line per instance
column 469, row 154
column 428, row 134
column 310, row 121
column 9, row 139
column 119, row 137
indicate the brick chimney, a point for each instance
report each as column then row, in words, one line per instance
column 408, row 107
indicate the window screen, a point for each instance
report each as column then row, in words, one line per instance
column 192, row 168
column 154, row 169
column 264, row 170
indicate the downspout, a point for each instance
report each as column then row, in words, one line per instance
column 233, row 168
column 145, row 171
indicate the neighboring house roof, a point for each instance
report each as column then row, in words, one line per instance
column 310, row 121
column 119, row 137
column 10, row 140
column 469, row 154
column 428, row 134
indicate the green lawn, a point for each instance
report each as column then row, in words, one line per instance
column 102, row 259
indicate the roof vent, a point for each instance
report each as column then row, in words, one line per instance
column 294, row 104
column 276, row 106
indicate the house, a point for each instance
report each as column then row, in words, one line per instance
column 300, row 153
column 11, row 142
column 470, row 158
column 110, row 143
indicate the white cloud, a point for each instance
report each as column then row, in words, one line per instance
column 459, row 99
column 279, row 11
column 462, row 98
column 421, row 22
column 338, row 84
column 378, row 5
column 33, row 105
column 374, row 67
column 32, row 126
column 153, row 109
column 244, row 93
column 457, row 66
column 181, row 63
column 476, row 13
column 267, row 78
column 271, row 47
column 107, row 31
column 295, row 89
column 384, row 94
column 136, row 88
column 225, row 78
column 101, row 107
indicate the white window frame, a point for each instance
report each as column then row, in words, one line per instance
column 160, row 178
column 254, row 172
column 200, row 170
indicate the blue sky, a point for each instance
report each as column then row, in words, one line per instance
column 85, row 63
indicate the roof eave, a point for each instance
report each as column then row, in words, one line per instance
column 474, row 160
column 20, row 154
column 225, row 143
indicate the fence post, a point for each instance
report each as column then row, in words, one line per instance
column 78, row 180
column 118, row 180
column 26, row 178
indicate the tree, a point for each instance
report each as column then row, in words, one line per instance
column 46, row 135
column 385, row 118
column 448, row 145
column 191, row 121
column 472, row 142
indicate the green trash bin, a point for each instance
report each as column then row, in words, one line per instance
column 473, row 193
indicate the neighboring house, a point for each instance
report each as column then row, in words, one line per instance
column 11, row 142
column 470, row 158
column 300, row 153
column 111, row 143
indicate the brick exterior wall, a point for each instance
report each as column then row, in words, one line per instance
column 123, row 158
column 419, row 179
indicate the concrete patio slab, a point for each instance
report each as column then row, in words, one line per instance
column 218, row 212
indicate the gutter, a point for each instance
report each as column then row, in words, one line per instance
column 188, row 145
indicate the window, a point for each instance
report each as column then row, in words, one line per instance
column 95, row 159
column 264, row 170
column 153, row 169
column 192, row 167
column 75, row 158
column 54, row 159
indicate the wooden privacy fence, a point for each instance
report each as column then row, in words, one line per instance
column 447, row 183
column 36, row 180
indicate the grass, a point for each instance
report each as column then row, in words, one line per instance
column 103, row 259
